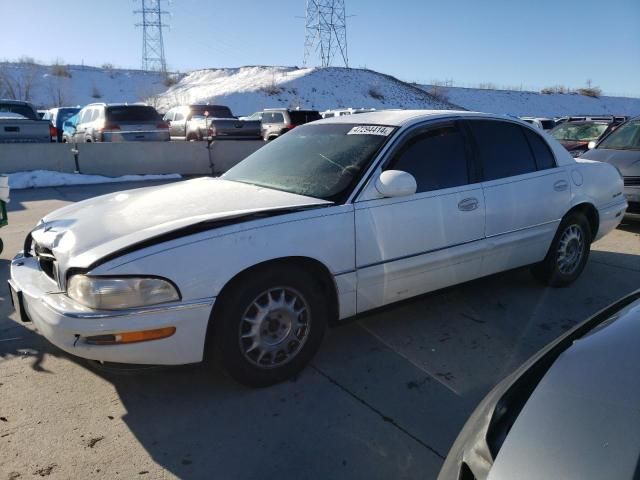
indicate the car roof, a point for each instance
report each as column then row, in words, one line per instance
column 14, row 102
column 289, row 110
column 400, row 118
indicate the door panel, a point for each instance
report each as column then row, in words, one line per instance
column 408, row 247
column 523, row 214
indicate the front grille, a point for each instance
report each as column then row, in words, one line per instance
column 632, row 181
column 46, row 260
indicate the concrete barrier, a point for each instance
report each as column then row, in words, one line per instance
column 128, row 158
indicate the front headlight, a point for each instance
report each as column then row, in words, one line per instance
column 112, row 293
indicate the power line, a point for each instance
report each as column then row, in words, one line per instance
column 326, row 31
column 152, row 40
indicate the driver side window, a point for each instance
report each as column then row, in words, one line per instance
column 437, row 159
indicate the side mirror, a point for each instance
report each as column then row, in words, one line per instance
column 591, row 145
column 396, row 183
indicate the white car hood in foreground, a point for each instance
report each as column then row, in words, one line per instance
column 82, row 233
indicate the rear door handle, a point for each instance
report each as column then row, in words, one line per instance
column 468, row 204
column 560, row 185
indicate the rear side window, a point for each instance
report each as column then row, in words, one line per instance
column 277, row 118
column 267, row 117
column 300, row 117
column 94, row 115
column 503, row 150
column 84, row 116
column 437, row 159
column 20, row 109
column 132, row 113
column 541, row 151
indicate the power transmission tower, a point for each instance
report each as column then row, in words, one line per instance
column 326, row 31
column 152, row 41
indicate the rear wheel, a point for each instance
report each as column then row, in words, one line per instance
column 568, row 253
column 270, row 325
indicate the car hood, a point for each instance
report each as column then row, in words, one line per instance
column 567, row 389
column 627, row 161
column 81, row 234
column 582, row 420
column 573, row 144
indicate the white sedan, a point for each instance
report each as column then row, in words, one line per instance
column 332, row 219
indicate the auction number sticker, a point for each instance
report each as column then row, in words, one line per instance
column 371, row 130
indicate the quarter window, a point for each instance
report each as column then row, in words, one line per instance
column 503, row 150
column 437, row 159
column 541, row 151
column 86, row 115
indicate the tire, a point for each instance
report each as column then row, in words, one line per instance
column 286, row 342
column 573, row 237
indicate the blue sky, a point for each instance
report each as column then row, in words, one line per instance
column 504, row 42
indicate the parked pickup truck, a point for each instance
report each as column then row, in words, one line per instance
column 19, row 123
column 197, row 122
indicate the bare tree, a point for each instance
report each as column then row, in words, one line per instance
column 18, row 80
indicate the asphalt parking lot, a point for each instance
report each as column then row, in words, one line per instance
column 384, row 398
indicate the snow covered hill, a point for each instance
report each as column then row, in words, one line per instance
column 47, row 86
column 535, row 103
column 248, row 89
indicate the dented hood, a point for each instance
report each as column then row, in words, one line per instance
column 85, row 232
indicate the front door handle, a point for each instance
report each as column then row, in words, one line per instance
column 560, row 185
column 468, row 204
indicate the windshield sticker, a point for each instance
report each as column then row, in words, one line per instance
column 371, row 130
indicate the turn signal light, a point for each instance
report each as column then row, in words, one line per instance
column 131, row 337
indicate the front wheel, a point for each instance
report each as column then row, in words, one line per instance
column 270, row 325
column 568, row 253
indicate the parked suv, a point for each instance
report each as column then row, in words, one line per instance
column 276, row 121
column 57, row 117
column 101, row 122
column 575, row 135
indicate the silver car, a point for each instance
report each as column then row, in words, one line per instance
column 101, row 122
column 278, row 121
column 571, row 411
column 621, row 148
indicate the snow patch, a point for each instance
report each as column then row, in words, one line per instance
column 47, row 178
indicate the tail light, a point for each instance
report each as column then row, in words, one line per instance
column 110, row 127
column 53, row 131
column 162, row 125
column 290, row 127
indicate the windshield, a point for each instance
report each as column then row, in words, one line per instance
column 321, row 161
column 214, row 112
column 299, row 117
column 132, row 113
column 579, row 132
column 626, row 137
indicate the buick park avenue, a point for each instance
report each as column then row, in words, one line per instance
column 335, row 218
